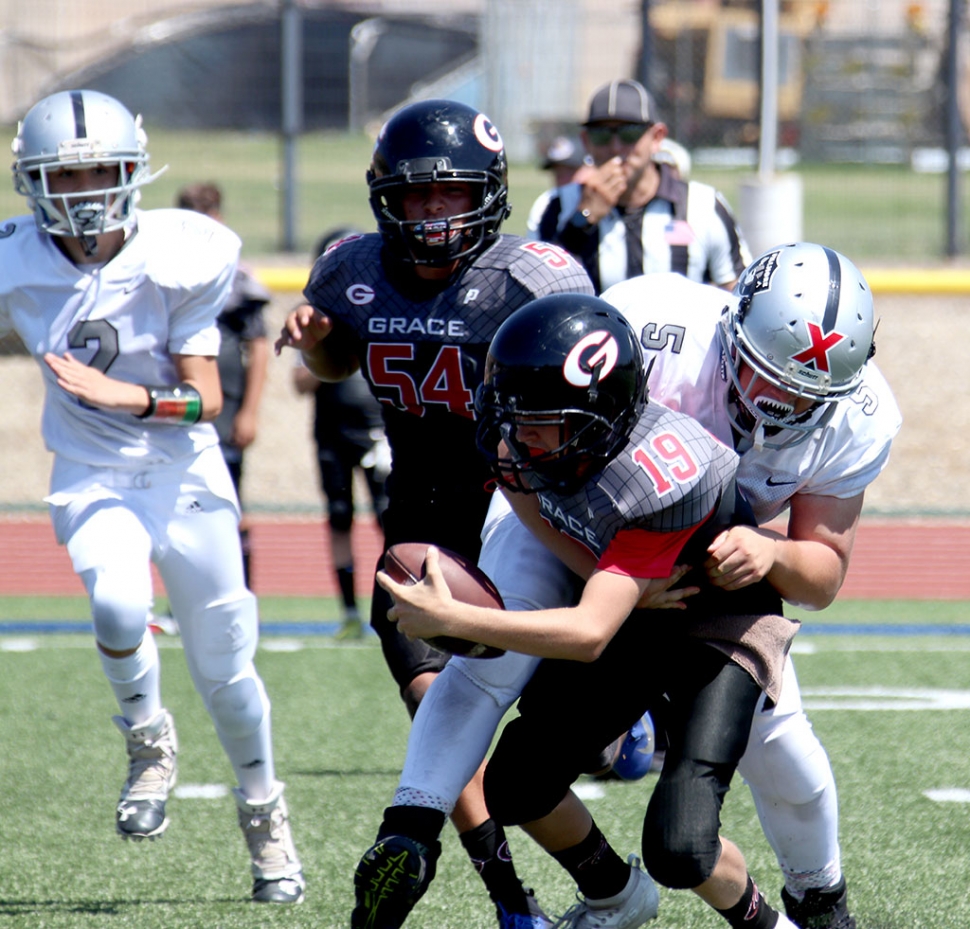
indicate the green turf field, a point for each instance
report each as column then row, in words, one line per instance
column 340, row 733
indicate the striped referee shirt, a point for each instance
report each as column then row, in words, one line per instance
column 687, row 228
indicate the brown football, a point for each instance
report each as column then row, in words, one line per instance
column 404, row 562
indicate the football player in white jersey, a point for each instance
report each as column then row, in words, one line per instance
column 782, row 372
column 118, row 307
column 814, row 430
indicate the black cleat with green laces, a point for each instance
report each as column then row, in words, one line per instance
column 390, row 879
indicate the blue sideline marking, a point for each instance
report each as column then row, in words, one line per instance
column 60, row 627
column 41, row 627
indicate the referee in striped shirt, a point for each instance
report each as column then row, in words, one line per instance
column 635, row 215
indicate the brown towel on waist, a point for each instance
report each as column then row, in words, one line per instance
column 757, row 643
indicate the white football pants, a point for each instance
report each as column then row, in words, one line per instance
column 185, row 520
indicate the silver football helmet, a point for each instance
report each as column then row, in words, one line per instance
column 803, row 322
column 80, row 129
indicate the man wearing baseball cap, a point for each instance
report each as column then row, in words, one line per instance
column 566, row 158
column 632, row 213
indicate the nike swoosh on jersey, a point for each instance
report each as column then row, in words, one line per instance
column 771, row 482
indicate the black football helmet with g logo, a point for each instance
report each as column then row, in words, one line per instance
column 437, row 141
column 568, row 360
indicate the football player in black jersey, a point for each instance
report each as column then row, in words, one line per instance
column 564, row 418
column 414, row 307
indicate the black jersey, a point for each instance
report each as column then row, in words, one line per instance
column 422, row 347
column 670, row 477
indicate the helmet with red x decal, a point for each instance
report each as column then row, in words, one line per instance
column 802, row 324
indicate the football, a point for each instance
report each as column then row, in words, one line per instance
column 404, row 563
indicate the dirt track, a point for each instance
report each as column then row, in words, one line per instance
column 922, row 345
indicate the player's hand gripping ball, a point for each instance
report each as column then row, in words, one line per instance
column 404, row 563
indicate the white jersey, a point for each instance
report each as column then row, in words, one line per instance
column 677, row 321
column 158, row 297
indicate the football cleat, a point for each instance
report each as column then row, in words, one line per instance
column 152, row 749
column 277, row 872
column 390, row 879
column 162, row 624
column 820, row 909
column 350, row 629
column 534, row 919
column 632, row 907
column 635, row 757
column 522, row 920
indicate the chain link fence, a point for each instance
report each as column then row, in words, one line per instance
column 862, row 108
column 862, row 83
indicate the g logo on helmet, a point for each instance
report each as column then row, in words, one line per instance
column 578, row 370
column 487, row 134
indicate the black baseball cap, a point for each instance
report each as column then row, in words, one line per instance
column 563, row 151
column 623, row 101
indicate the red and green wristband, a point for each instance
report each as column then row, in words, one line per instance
column 180, row 405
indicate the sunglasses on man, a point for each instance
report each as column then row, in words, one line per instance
column 628, row 133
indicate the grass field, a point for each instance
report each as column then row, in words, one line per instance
column 876, row 214
column 340, row 733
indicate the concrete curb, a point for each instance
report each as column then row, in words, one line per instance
column 922, row 281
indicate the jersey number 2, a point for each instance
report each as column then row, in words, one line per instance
column 96, row 330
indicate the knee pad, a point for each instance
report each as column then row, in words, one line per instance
column 785, row 761
column 517, row 788
column 240, row 706
column 509, row 804
column 119, row 610
column 220, row 638
column 681, row 845
column 340, row 514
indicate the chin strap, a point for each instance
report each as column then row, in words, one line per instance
column 758, row 439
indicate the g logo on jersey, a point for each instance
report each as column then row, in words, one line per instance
column 578, row 370
column 360, row 294
column 487, row 134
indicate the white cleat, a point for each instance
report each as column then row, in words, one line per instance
column 152, row 749
column 277, row 872
column 632, row 907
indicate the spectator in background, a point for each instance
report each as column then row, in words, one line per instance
column 243, row 357
column 349, row 434
column 568, row 162
column 633, row 213
column 564, row 157
column 676, row 156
